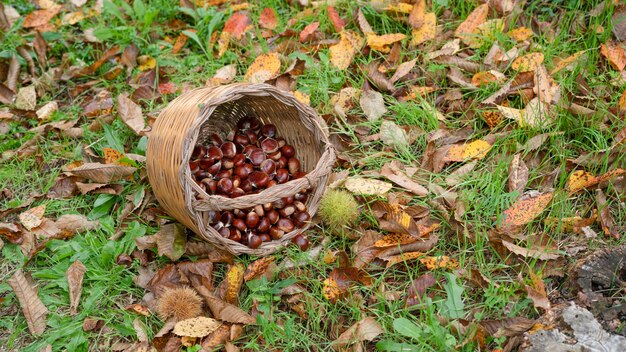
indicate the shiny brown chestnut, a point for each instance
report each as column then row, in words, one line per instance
column 268, row 130
column 242, row 172
column 276, row 233
column 224, row 232
column 293, row 165
column 198, row 152
column 272, row 216
column 288, row 151
column 227, row 218
column 301, row 241
column 239, row 160
column 225, row 185
column 229, row 150
column 301, row 197
column 257, row 157
column 239, row 224
column 258, row 179
column 235, row 235
column 241, row 139
column 238, row 213
column 301, row 218
column 194, row 166
column 258, row 209
column 252, row 220
column 224, row 174
column 254, row 241
column 227, row 164
column 264, row 225
column 299, row 205
column 285, row 225
column 210, row 185
column 252, row 137
column 287, row 211
column 269, row 145
column 214, row 153
column 268, row 166
column 215, row 168
column 265, row 237
column 246, row 185
column 282, row 175
column 237, row 192
column 275, row 155
column 216, row 140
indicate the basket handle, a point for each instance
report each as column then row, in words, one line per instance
column 218, row 203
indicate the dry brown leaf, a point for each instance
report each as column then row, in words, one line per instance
column 473, row 20
column 131, row 114
column 171, row 240
column 448, row 49
column 258, row 268
column 394, row 239
column 32, row 307
column 373, row 104
column 75, row 274
column 605, row 217
column 196, row 327
column 342, row 53
column 394, row 219
column 536, row 291
column 483, row 78
column 264, row 68
column 525, row 209
column 393, row 171
column 39, row 18
column 543, row 88
column 26, row 98
column 528, row 62
column 566, row 63
column 402, row 70
column 381, row 42
column 367, row 329
column 457, row 175
column 102, row 173
column 268, row 19
column 32, row 217
column 361, row 185
column 393, row 135
column 75, row 223
column 427, row 31
column 308, row 32
column 417, row 289
column 416, row 17
column 536, row 253
column 477, row 149
column 518, row 174
column 507, row 327
column 615, row 54
column 334, row 18
column 224, row 75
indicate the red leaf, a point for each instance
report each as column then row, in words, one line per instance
column 337, row 22
column 236, row 25
column 268, row 19
column 307, row 32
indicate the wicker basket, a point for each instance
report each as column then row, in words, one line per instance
column 194, row 116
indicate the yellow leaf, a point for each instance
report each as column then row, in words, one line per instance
column 331, row 290
column 342, row 53
column 528, row 62
column 475, row 19
column 264, row 67
column 483, row 78
column 475, row 150
column 524, row 210
column 394, row 239
column 234, row 281
column 492, row 118
column 485, row 32
column 579, row 180
column 427, row 31
column 381, row 42
column 302, row 97
column 561, row 64
column 615, row 54
column 400, row 258
column 520, row 34
column 361, row 185
column 72, row 18
column 439, row 262
column 146, row 62
column 400, row 7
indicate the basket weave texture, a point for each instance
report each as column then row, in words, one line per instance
column 192, row 117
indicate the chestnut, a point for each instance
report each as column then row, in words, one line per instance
column 268, row 166
column 288, row 200
column 225, row 185
column 229, row 150
column 214, row 153
column 281, row 163
column 299, row 205
column 224, row 232
column 276, row 233
column 281, row 142
column 242, row 172
column 235, row 235
column 267, row 206
column 252, row 220
column 216, row 140
column 265, row 237
column 275, row 155
column 239, row 160
column 194, row 166
column 258, row 179
column 301, row 197
column 215, row 168
column 268, row 131
column 282, row 175
column 248, row 122
column 257, row 157
column 239, row 224
column 246, row 185
column 201, row 174
column 264, row 225
column 237, row 192
column 301, row 241
column 227, row 164
column 293, row 165
column 210, row 185
column 273, row 216
column 301, row 218
column 258, row 209
column 224, row 174
column 236, row 181
column 272, row 182
column 287, row 151
column 298, row 175
column 198, row 152
column 285, row 225
column 227, row 218
column 239, row 213
column 248, row 149
column 287, row 211
column 254, row 241
column 252, row 137
column 241, row 139
column 269, row 145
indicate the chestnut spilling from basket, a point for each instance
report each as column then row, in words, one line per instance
column 249, row 159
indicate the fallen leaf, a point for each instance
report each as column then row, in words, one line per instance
column 146, row 62
column 520, row 34
column 427, row 31
column 392, row 218
column 536, row 291
column 268, row 19
column 528, row 62
column 477, row 149
column 393, row 172
column 466, row 29
column 307, row 32
column 46, row 111
column 535, row 253
column 381, row 42
column 518, row 174
column 75, row 223
column 101, row 104
column 263, row 68
column 171, row 240
column 138, row 309
column 366, row 329
column 373, row 104
column 102, row 173
column 579, row 180
column 394, row 239
column 342, row 53
column 448, row 49
column 615, row 54
column 257, row 268
column 403, row 258
column 457, row 175
column 225, row 311
column 232, row 283
column 525, row 209
column 32, row 307
column 514, row 326
column 224, row 75
column 334, row 18
column 439, row 262
column 236, row 25
column 485, row 32
column 131, row 114
column 392, row 135
column 361, row 185
column 75, row 274
column 41, row 17
column 492, row 118
column 402, row 70
column 196, row 327
column 544, row 88
column 483, row 78
column 605, row 217
column 417, row 289
column 567, row 62
column 32, row 217
column 416, row 16
column 26, row 98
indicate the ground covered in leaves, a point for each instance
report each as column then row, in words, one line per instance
column 483, row 142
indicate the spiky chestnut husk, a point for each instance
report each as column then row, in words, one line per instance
column 180, row 303
column 338, row 209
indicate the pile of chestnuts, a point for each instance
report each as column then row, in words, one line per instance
column 248, row 160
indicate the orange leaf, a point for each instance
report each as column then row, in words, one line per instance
column 307, row 33
column 475, row 19
column 264, row 67
column 439, row 262
column 236, row 25
column 622, row 102
column 417, row 15
column 520, row 34
column 268, row 18
column 234, row 281
column 492, row 118
column 394, row 239
column 615, row 54
column 337, row 21
column 485, row 77
column 403, row 257
column 561, row 64
column 528, row 62
column 257, row 268
column 40, row 17
column 181, row 40
column 381, row 42
column 427, row 31
column 524, row 210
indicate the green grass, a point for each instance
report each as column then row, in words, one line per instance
column 108, row 288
